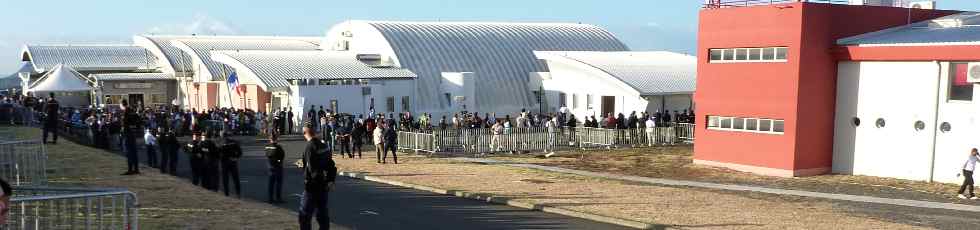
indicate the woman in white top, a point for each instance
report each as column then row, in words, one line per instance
column 968, row 167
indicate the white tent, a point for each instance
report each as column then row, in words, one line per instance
column 61, row 79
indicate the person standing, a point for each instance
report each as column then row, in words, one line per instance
column 130, row 127
column 968, row 167
column 275, row 154
column 378, row 138
column 289, row 121
column 651, row 128
column 343, row 140
column 196, row 157
column 168, row 151
column 552, row 126
column 231, row 152
column 319, row 174
column 391, row 143
column 51, row 118
column 357, row 139
column 150, row 140
column 209, row 163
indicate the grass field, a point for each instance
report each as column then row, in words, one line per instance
column 166, row 202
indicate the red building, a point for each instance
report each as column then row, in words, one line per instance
column 767, row 78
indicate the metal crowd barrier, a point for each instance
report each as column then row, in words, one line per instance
column 483, row 140
column 23, row 162
column 72, row 208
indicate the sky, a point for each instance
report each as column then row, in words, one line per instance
column 642, row 24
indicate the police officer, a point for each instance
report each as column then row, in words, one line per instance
column 319, row 172
column 209, row 168
column 168, row 149
column 196, row 157
column 130, row 130
column 274, row 152
column 51, row 109
column 231, row 152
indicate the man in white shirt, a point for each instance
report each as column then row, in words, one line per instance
column 968, row 167
column 651, row 127
column 552, row 126
column 151, row 148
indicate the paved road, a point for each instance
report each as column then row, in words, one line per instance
column 359, row 204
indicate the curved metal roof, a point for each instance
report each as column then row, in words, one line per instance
column 500, row 55
column 650, row 73
column 179, row 61
column 132, row 76
column 200, row 49
column 273, row 69
column 89, row 57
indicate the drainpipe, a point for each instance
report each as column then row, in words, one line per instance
column 935, row 122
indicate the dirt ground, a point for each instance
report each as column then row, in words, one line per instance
column 666, row 206
column 166, row 202
column 675, row 162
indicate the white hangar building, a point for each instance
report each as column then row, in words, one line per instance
column 595, row 83
column 482, row 66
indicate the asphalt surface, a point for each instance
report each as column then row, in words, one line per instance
column 359, row 204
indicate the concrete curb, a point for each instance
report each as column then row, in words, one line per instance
column 490, row 198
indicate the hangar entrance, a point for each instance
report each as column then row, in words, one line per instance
column 608, row 105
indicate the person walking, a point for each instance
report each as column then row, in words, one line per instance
column 231, row 152
column 150, row 140
column 51, row 118
column 391, row 143
column 275, row 154
column 130, row 127
column 968, row 167
column 319, row 174
column 378, row 138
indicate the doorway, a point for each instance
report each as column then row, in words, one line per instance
column 608, row 104
column 136, row 99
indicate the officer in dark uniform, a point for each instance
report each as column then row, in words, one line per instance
column 231, row 152
column 209, row 168
column 196, row 157
column 274, row 152
column 130, row 130
column 51, row 109
column 168, row 151
column 289, row 119
column 319, row 173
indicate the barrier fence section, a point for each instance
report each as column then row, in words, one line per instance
column 72, row 208
column 23, row 162
column 484, row 140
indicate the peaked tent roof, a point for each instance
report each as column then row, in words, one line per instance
column 273, row 69
column 25, row 67
column 61, row 78
column 650, row 73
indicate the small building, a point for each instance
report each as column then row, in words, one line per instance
column 339, row 81
column 141, row 89
column 806, row 88
column 595, row 83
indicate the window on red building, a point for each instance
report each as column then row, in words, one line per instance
column 959, row 88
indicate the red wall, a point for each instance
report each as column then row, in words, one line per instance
column 801, row 91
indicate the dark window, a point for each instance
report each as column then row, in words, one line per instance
column 781, row 53
column 959, row 88
column 768, row 54
column 715, row 54
column 754, row 54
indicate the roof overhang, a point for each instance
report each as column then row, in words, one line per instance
column 925, row 52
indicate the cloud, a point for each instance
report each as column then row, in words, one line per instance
column 654, row 24
column 202, row 24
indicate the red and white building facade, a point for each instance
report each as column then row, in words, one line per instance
column 805, row 88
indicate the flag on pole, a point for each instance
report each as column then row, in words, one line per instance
column 233, row 84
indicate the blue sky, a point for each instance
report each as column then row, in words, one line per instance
column 641, row 24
